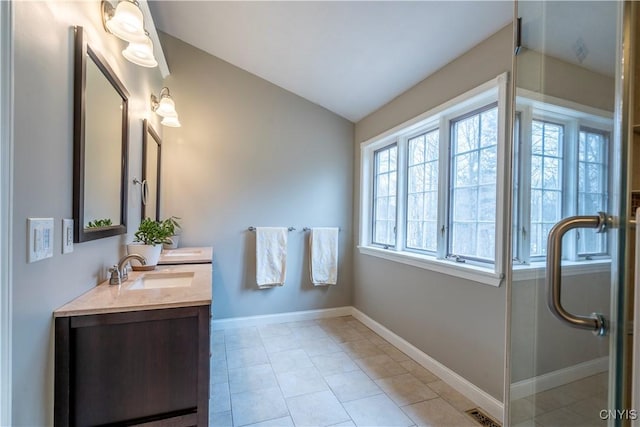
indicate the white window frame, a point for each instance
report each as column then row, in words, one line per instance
column 531, row 105
column 440, row 116
column 6, row 156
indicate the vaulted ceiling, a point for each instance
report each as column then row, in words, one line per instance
column 351, row 57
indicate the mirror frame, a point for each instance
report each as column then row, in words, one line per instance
column 148, row 130
column 82, row 49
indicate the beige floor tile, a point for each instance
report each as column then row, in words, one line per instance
column 522, row 410
column 361, row 349
column 357, row 325
column 301, row 324
column 274, row 330
column 352, row 386
column 316, row 409
column 252, row 407
column 394, row 353
column 281, row 343
column 405, row 389
column 589, row 409
column 448, row 393
column 218, row 371
column 381, row 366
column 377, row 411
column 220, row 398
column 561, row 417
column 217, row 337
column 278, row 422
column 334, row 363
column 345, row 424
column 550, row 400
column 309, row 332
column 220, row 419
column 252, row 378
column 318, row 346
column 245, row 357
column 290, row 360
column 303, row 381
column 418, row 371
column 374, row 338
column 437, row 413
column 347, row 334
column 242, row 338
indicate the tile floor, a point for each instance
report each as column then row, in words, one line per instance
column 328, row 372
column 574, row 404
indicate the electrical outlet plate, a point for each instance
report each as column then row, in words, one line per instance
column 67, row 236
column 40, row 238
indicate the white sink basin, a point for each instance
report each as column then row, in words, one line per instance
column 183, row 253
column 163, row 280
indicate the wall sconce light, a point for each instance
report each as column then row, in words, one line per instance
column 165, row 108
column 126, row 22
column 141, row 53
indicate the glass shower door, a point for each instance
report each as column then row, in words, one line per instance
column 568, row 360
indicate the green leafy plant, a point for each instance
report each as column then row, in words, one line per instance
column 172, row 225
column 152, row 232
column 106, row 222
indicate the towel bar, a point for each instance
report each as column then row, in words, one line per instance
column 252, row 228
column 309, row 229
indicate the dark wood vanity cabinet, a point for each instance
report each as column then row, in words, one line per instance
column 148, row 367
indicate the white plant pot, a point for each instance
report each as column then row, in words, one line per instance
column 150, row 252
column 175, row 240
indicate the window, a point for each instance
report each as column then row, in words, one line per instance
column 562, row 166
column 593, row 146
column 430, row 187
column 384, row 206
column 474, row 149
column 546, row 182
column 422, row 192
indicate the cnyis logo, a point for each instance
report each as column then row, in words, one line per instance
column 618, row 414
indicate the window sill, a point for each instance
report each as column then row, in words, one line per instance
column 537, row 270
column 465, row 271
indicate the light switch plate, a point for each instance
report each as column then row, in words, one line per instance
column 67, row 236
column 40, row 238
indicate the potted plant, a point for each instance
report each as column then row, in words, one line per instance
column 148, row 242
column 172, row 226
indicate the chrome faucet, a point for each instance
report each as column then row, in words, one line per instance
column 119, row 272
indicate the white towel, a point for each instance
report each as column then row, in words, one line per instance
column 271, row 256
column 323, row 254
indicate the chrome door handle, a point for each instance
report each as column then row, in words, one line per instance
column 596, row 321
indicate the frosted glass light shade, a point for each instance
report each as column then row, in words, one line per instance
column 127, row 22
column 166, row 107
column 172, row 122
column 141, row 53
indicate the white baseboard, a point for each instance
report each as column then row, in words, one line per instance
column 478, row 396
column 557, row 378
column 295, row 316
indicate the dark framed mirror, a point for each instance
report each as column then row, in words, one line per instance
column 151, row 165
column 100, row 141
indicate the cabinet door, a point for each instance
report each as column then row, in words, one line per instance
column 137, row 367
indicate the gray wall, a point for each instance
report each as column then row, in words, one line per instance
column 250, row 153
column 43, row 74
column 455, row 321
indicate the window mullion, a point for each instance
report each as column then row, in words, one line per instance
column 401, row 194
column 443, row 186
column 524, row 234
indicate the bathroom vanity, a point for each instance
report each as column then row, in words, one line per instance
column 138, row 353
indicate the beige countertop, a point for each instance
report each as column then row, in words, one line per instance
column 128, row 296
column 194, row 255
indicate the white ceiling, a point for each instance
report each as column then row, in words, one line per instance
column 351, row 57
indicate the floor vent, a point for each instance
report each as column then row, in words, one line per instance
column 482, row 418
